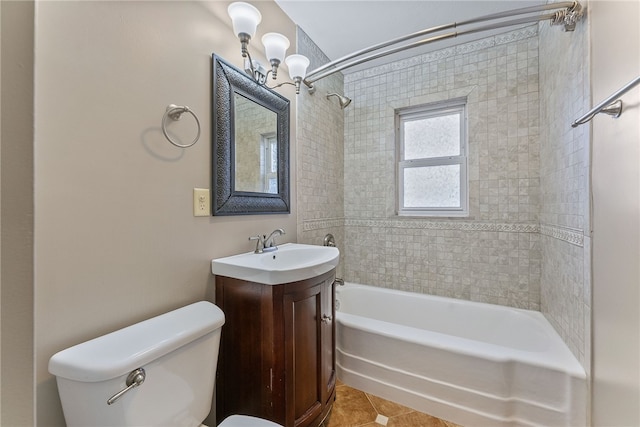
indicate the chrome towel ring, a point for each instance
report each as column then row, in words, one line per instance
column 174, row 112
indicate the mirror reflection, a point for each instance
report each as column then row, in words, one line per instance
column 256, row 147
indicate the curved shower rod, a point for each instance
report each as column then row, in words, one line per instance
column 569, row 14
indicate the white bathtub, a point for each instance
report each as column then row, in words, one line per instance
column 471, row 363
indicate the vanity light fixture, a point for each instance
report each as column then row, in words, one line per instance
column 297, row 68
column 275, row 48
column 245, row 18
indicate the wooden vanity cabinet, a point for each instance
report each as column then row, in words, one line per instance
column 277, row 350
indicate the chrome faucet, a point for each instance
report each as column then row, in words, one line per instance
column 267, row 243
column 259, row 243
column 270, row 242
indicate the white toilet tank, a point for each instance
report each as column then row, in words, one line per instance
column 178, row 352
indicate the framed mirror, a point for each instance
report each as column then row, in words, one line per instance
column 250, row 150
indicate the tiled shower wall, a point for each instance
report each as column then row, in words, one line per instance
column 528, row 224
column 494, row 254
column 320, row 156
column 565, row 241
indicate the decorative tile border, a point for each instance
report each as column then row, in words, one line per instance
column 310, row 225
column 504, row 38
column 320, row 224
column 569, row 235
column 316, row 55
column 521, row 34
column 445, row 225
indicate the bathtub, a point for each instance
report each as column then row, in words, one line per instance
column 470, row 363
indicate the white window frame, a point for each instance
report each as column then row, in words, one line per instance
column 457, row 106
column 266, row 140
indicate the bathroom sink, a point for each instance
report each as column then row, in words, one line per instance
column 289, row 263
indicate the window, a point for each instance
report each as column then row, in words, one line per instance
column 269, row 163
column 432, row 159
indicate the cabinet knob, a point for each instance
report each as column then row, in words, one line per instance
column 326, row 319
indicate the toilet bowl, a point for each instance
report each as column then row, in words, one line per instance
column 159, row 372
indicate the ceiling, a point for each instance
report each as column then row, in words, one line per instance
column 340, row 27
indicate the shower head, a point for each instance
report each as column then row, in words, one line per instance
column 344, row 101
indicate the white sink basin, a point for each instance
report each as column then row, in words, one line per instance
column 289, row 263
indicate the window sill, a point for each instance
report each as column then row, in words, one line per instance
column 452, row 215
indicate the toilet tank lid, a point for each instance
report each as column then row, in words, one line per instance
column 124, row 350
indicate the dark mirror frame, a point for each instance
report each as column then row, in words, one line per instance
column 228, row 80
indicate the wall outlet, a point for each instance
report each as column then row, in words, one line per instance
column 201, row 202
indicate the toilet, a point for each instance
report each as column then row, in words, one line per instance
column 159, row 372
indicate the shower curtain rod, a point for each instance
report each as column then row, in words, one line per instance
column 568, row 15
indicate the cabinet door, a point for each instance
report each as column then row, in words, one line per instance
column 249, row 375
column 328, row 337
column 303, row 354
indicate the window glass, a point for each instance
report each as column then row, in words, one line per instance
column 432, row 186
column 432, row 137
column 432, row 162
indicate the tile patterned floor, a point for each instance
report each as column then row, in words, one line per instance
column 355, row 408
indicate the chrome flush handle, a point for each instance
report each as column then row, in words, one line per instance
column 135, row 378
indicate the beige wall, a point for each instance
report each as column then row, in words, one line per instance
column 0, row 228
column 16, row 216
column 616, row 216
column 116, row 240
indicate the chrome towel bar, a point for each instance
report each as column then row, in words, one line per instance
column 611, row 106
